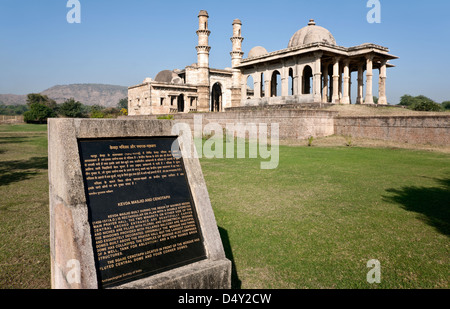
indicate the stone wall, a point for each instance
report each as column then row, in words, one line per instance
column 293, row 124
column 11, row 119
column 300, row 124
column 433, row 130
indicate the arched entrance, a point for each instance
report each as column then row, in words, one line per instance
column 216, row 98
column 250, row 84
column 180, row 103
column 275, row 82
column 291, row 82
column 307, row 80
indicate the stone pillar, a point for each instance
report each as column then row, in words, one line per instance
column 330, row 91
column 382, row 84
column 299, row 82
column 257, row 85
column 335, row 98
column 350, row 87
column 238, row 88
column 346, row 92
column 295, row 79
column 359, row 98
column 369, row 75
column 317, row 83
column 243, row 90
column 285, row 81
column 203, row 49
column 267, row 85
column 325, row 84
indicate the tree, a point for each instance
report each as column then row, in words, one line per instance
column 96, row 111
column 12, row 110
column 123, row 103
column 427, row 106
column 420, row 103
column 38, row 113
column 111, row 112
column 445, row 105
column 41, row 99
column 72, row 109
column 407, row 100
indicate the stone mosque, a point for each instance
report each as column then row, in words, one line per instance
column 312, row 69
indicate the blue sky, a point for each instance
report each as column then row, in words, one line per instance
column 123, row 42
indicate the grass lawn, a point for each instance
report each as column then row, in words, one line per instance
column 24, row 218
column 316, row 220
column 313, row 222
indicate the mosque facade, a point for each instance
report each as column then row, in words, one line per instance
column 312, row 69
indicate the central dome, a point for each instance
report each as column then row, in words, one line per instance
column 257, row 51
column 311, row 34
column 168, row 76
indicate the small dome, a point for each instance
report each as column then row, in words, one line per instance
column 257, row 51
column 203, row 13
column 168, row 76
column 311, row 34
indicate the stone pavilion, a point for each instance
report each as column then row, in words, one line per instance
column 312, row 69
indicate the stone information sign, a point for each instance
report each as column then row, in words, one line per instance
column 141, row 211
column 129, row 208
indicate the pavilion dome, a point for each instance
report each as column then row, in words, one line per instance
column 311, row 34
column 168, row 76
column 257, row 51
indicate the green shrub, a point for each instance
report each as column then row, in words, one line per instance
column 97, row 114
column 38, row 113
column 72, row 109
column 12, row 110
column 445, row 105
column 348, row 140
column 420, row 103
column 169, row 117
column 427, row 106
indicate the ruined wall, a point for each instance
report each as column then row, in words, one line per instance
column 11, row 119
column 434, row 130
column 139, row 98
column 301, row 124
column 293, row 124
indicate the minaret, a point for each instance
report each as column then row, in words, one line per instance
column 203, row 49
column 236, row 39
column 236, row 58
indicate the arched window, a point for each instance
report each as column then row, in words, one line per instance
column 291, row 81
column 216, row 98
column 263, row 89
column 180, row 103
column 250, row 87
column 275, row 82
column 330, row 82
column 307, row 80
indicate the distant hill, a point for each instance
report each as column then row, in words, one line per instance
column 88, row 94
column 13, row 99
